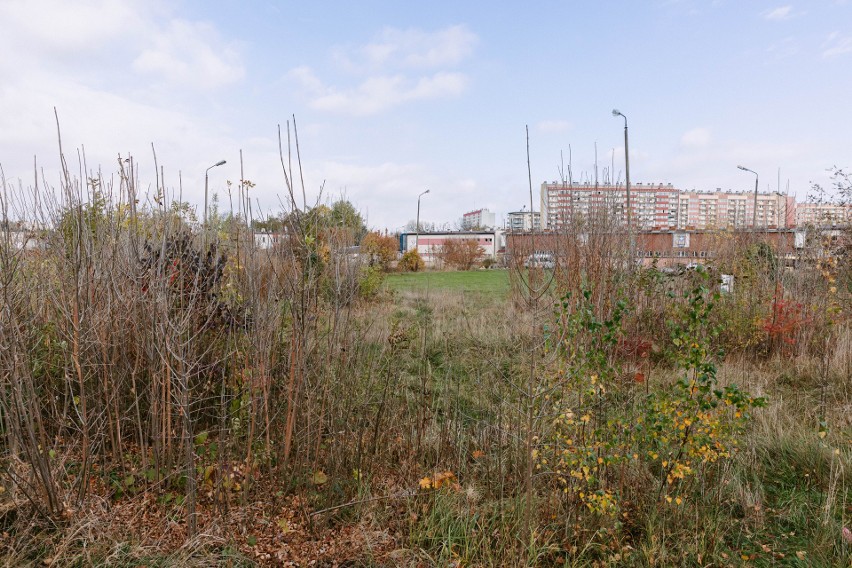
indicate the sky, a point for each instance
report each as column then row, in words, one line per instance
column 393, row 98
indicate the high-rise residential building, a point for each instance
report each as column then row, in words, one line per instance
column 653, row 206
column 823, row 214
column 734, row 209
column 521, row 221
column 663, row 207
column 478, row 219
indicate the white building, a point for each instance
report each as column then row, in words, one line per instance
column 523, row 221
column 478, row 220
column 430, row 245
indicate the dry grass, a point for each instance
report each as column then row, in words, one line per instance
column 162, row 409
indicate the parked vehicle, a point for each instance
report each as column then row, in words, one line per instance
column 540, row 260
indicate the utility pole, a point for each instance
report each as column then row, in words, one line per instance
column 754, row 212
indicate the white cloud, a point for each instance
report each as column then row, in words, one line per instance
column 410, row 49
column 836, row 44
column 392, row 71
column 779, row 13
column 80, row 40
column 85, row 59
column 184, row 53
column 696, row 138
column 61, row 27
column 379, row 93
column 553, row 126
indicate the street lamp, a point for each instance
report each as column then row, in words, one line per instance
column 219, row 163
column 417, row 228
column 754, row 213
column 616, row 112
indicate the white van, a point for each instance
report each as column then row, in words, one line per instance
column 540, row 260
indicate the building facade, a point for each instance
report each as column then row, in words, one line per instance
column 520, row 221
column 478, row 219
column 430, row 245
column 660, row 207
column 707, row 210
column 653, row 206
column 823, row 214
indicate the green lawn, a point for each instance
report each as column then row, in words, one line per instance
column 487, row 281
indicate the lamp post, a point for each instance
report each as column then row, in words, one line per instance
column 219, row 163
column 753, row 213
column 417, row 228
column 616, row 112
column 632, row 251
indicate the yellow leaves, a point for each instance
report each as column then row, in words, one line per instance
column 585, row 418
column 822, row 434
column 445, row 478
column 678, row 500
column 478, row 454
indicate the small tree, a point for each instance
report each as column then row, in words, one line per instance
column 411, row 261
column 381, row 250
column 462, row 254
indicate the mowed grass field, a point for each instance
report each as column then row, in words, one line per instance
column 485, row 281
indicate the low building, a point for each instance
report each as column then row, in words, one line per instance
column 660, row 248
column 430, row 245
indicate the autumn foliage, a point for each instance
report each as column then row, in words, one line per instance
column 380, row 249
column 462, row 254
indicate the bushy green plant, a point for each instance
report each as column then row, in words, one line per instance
column 615, row 445
column 411, row 261
column 696, row 422
column 371, row 281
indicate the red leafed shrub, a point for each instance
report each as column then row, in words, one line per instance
column 632, row 348
column 783, row 324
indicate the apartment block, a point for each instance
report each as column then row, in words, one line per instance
column 478, row 219
column 653, row 206
column 823, row 214
column 520, row 221
column 656, row 207
column 728, row 209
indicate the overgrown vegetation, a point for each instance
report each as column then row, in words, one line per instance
column 173, row 395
